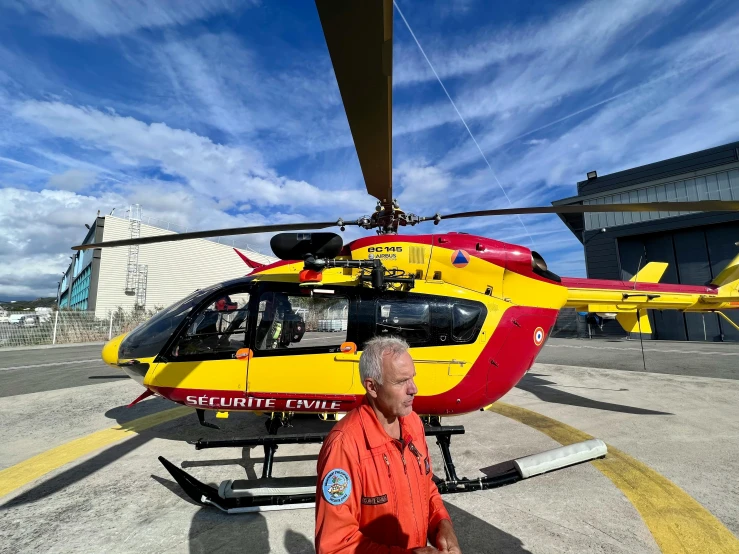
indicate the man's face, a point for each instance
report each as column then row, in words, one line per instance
column 395, row 396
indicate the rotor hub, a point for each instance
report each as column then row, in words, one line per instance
column 387, row 218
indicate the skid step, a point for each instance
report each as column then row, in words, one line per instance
column 272, row 486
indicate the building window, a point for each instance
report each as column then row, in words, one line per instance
column 291, row 322
column 81, row 290
column 218, row 331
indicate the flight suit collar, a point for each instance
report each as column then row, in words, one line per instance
column 373, row 430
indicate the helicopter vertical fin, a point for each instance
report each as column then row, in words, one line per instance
column 728, row 280
column 650, row 273
column 631, row 324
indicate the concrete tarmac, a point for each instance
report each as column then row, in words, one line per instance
column 120, row 499
column 701, row 359
column 24, row 371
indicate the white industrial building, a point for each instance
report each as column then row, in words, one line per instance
column 146, row 277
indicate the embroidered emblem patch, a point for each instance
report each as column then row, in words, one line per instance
column 460, row 258
column 336, row 486
column 374, row 500
column 538, row 336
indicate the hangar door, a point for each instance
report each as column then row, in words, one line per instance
column 694, row 256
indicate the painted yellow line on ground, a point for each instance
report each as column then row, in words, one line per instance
column 676, row 520
column 29, row 470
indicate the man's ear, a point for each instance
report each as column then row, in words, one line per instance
column 371, row 387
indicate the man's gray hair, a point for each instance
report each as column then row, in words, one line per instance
column 370, row 362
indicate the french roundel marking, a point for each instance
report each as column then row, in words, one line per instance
column 460, row 258
column 538, row 336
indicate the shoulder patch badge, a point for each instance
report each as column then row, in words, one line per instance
column 337, row 485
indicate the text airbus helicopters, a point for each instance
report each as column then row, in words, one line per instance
column 286, row 339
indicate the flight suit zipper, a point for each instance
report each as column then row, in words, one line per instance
column 410, row 491
column 421, row 476
column 395, row 492
column 417, row 454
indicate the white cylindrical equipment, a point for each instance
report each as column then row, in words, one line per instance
column 558, row 458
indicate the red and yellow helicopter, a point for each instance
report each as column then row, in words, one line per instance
column 476, row 312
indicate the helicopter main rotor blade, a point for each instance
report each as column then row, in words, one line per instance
column 216, row 233
column 693, row 206
column 359, row 36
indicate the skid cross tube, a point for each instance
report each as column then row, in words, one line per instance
column 305, row 438
column 270, row 443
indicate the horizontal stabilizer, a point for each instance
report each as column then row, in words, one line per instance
column 650, row 273
column 631, row 324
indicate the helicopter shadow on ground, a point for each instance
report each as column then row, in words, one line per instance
column 212, row 531
column 185, row 428
column 477, row 535
column 544, row 390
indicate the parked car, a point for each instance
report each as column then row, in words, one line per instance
column 24, row 320
column 16, row 318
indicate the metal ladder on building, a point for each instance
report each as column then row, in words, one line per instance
column 136, row 274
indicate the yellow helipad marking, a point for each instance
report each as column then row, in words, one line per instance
column 676, row 520
column 29, row 470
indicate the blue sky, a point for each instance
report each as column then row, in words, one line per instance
column 218, row 113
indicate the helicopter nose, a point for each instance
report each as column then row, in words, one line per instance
column 110, row 351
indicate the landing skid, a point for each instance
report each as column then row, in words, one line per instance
column 268, row 493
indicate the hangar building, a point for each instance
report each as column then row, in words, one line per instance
column 696, row 245
column 146, row 277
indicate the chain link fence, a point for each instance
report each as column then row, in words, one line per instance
column 66, row 327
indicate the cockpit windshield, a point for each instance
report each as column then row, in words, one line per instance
column 149, row 338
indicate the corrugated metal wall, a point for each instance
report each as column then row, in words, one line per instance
column 175, row 269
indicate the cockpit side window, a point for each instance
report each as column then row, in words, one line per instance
column 150, row 337
column 217, row 331
column 300, row 324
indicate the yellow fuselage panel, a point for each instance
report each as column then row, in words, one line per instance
column 406, row 256
column 475, row 274
column 525, row 291
column 211, row 375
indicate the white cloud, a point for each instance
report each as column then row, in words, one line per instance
column 72, row 179
column 40, row 227
column 248, row 138
column 290, row 111
column 211, row 169
column 84, row 18
column 586, row 31
column 418, row 184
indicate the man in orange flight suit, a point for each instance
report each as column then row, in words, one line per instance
column 375, row 492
